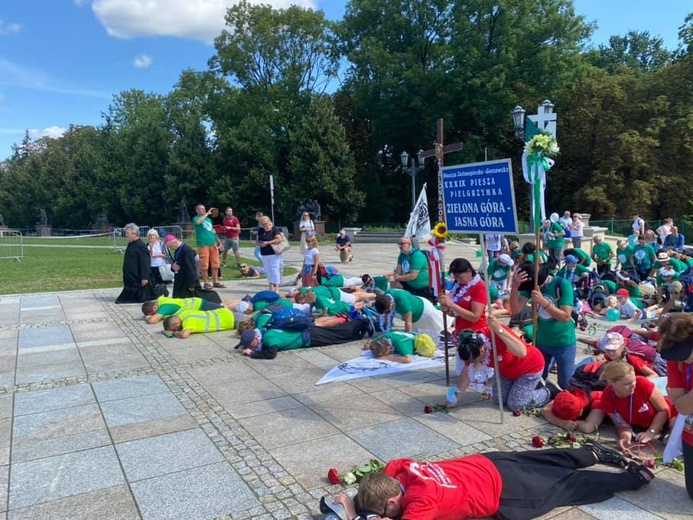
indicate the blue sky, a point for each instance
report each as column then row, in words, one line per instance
column 61, row 61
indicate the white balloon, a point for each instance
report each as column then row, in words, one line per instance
column 554, row 217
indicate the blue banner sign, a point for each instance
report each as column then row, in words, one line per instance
column 479, row 198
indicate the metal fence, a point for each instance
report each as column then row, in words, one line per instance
column 120, row 242
column 11, row 245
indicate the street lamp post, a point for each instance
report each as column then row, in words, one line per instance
column 412, row 170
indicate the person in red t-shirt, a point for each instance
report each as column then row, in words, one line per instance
column 575, row 410
column 512, row 485
column 468, row 297
column 632, row 400
column 232, row 230
column 520, row 365
column 676, row 347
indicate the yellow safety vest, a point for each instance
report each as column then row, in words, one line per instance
column 208, row 321
column 183, row 304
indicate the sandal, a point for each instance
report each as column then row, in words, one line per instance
column 642, row 471
column 219, row 286
column 207, row 287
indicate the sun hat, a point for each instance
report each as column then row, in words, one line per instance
column 614, row 341
column 680, row 351
column 662, row 256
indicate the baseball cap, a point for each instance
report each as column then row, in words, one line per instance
column 622, row 292
column 169, row 238
column 662, row 256
column 505, row 259
column 242, row 307
column 247, row 338
column 680, row 351
column 569, row 404
column 570, row 259
column 614, row 341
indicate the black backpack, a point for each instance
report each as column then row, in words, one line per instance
column 588, row 381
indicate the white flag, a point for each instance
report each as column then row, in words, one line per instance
column 419, row 227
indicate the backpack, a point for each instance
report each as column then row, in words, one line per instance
column 290, row 319
column 587, row 377
column 265, row 296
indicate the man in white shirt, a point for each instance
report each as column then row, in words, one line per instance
column 576, row 228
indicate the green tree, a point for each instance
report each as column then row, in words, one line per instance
column 637, row 50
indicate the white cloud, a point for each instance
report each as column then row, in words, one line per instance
column 9, row 28
column 52, row 131
column 196, row 20
column 142, row 61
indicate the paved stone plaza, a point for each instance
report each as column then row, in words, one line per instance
column 102, row 417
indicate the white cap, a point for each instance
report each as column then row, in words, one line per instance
column 505, row 260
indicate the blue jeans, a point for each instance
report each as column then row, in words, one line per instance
column 257, row 254
column 564, row 357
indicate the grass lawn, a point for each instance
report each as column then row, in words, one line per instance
column 47, row 269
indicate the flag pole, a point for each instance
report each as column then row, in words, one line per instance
column 489, row 310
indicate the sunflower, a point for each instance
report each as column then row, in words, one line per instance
column 440, row 230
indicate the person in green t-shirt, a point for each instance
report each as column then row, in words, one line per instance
column 555, row 327
column 602, row 254
column 643, row 258
column 553, row 234
column 623, row 254
column 572, row 270
column 207, row 246
column 582, row 255
column 375, row 283
column 664, row 260
column 498, row 271
column 411, row 273
column 415, row 311
column 400, row 347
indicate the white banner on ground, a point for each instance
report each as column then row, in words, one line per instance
column 419, row 221
column 368, row 366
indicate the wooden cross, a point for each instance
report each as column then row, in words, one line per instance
column 438, row 151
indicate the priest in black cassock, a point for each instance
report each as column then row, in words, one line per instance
column 137, row 281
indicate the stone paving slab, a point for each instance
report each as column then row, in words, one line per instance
column 107, row 418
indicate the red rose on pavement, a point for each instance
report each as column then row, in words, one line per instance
column 571, row 437
column 333, row 476
column 537, row 442
column 517, row 413
column 428, row 409
column 650, row 463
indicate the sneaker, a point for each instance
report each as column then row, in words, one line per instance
column 224, row 264
column 642, row 471
column 607, row 455
column 369, row 324
column 351, row 257
column 553, row 388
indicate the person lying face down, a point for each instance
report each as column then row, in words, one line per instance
column 156, row 310
column 492, row 484
column 400, row 347
column 190, row 322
